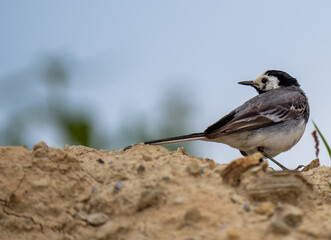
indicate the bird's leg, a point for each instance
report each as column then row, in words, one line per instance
column 260, row 149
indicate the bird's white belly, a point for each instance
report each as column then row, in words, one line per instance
column 274, row 139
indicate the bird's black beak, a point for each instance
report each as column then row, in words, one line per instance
column 249, row 83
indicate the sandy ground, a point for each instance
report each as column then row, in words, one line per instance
column 148, row 192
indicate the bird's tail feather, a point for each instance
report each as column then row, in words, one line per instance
column 184, row 138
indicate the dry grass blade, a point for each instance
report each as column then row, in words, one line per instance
column 314, row 133
column 323, row 139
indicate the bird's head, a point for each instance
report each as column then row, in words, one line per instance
column 271, row 79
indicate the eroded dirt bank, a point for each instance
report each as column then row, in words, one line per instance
column 148, row 192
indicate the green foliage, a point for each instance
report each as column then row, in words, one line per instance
column 323, row 139
column 71, row 123
column 74, row 124
column 78, row 130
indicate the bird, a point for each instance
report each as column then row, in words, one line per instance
column 272, row 122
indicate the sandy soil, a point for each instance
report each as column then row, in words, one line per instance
column 148, row 192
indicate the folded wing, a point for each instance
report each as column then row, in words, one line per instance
column 263, row 110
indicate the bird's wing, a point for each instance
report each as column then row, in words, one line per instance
column 263, row 110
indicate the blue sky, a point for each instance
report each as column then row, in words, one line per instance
column 129, row 52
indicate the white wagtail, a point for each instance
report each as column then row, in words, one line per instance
column 271, row 122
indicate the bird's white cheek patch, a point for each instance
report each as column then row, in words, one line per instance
column 273, row 83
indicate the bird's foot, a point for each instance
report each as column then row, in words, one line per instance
column 299, row 167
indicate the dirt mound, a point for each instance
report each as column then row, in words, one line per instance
column 148, row 192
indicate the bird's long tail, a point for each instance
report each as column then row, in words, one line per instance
column 178, row 139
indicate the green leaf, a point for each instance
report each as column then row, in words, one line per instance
column 323, row 139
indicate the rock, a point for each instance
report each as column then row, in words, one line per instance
column 285, row 218
column 118, row 185
column 192, row 215
column 181, row 150
column 100, row 161
column 97, row 219
column 40, row 145
column 235, row 198
column 313, row 164
column 147, row 158
column 265, row 208
column 233, row 171
column 316, row 231
column 233, row 234
column 211, row 164
column 109, row 230
column 40, row 149
column 148, row 198
column 193, row 168
column 292, row 215
column 247, row 207
column 279, row 227
column 141, row 169
column 94, row 190
column 178, row 200
column 166, row 178
column 81, row 215
column 40, row 183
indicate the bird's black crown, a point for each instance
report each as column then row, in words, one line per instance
column 284, row 78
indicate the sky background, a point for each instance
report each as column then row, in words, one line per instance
column 128, row 54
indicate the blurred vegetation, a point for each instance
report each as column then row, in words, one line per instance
column 29, row 110
column 323, row 139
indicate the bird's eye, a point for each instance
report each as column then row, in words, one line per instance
column 264, row 80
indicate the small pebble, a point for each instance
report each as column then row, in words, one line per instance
column 212, row 164
column 147, row 158
column 193, row 168
column 141, row 169
column 94, row 189
column 165, row 178
column 247, row 207
column 192, row 215
column 233, row 234
column 118, row 186
column 290, row 215
column 235, row 198
column 101, row 161
column 178, row 200
column 97, row 219
column 81, row 215
column 265, row 208
column 222, row 226
column 108, row 230
column 148, row 198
